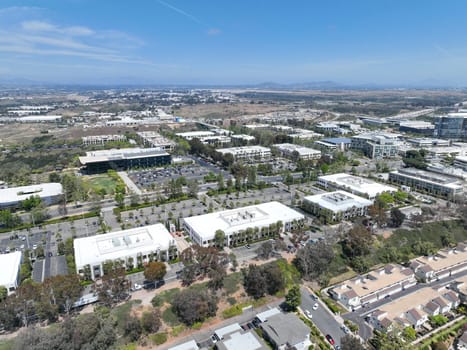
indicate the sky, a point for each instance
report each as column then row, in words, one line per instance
column 234, row 42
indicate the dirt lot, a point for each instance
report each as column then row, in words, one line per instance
column 226, row 110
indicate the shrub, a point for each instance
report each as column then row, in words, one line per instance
column 232, row 311
column 159, row 338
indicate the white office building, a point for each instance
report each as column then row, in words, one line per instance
column 49, row 193
column 336, row 206
column 242, row 225
column 354, row 184
column 248, row 153
column 134, row 246
column 9, row 273
column 290, row 150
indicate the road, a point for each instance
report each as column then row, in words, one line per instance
column 322, row 317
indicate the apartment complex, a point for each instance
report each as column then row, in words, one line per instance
column 451, row 126
column 125, row 158
column 242, row 225
column 374, row 286
column 134, row 247
column 438, row 185
column 247, row 153
column 354, row 184
column 336, row 206
column 376, row 145
column 292, row 151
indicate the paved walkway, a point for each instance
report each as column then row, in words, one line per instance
column 129, row 183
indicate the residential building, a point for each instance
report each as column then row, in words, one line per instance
column 442, row 264
column 413, row 309
column 189, row 345
column 9, row 273
column 376, row 145
column 427, row 182
column 134, row 247
column 451, row 126
column 125, row 158
column 156, row 140
column 286, row 331
column 247, row 153
column 244, row 340
column 242, row 225
column 292, row 151
column 462, row 342
column 354, row 184
column 336, row 206
column 374, row 286
column 49, row 193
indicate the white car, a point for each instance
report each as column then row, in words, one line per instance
column 136, row 286
column 315, row 306
column 308, row 314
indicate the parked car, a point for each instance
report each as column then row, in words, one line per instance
column 308, row 314
column 136, row 287
column 345, row 329
column 330, row 339
column 315, row 306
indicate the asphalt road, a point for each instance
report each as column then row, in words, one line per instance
column 322, row 318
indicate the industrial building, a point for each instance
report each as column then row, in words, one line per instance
column 427, row 182
column 336, row 206
column 247, row 153
column 354, row 184
column 135, row 246
column 242, row 225
column 9, row 273
column 452, row 126
column 290, row 150
column 49, row 193
column 125, row 158
column 376, row 145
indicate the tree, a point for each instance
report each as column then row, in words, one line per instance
column 293, row 298
column 349, row 342
column 313, row 260
column 265, row 250
column 193, row 188
column 151, row 321
column 252, row 175
column 254, row 281
column 132, row 328
column 358, row 241
column 8, row 220
column 397, row 217
column 389, row 341
column 439, row 345
column 216, row 277
column 3, row 293
column 274, row 278
column 191, row 305
column 115, row 285
column 155, row 271
column 409, row 334
column 219, row 238
column 447, row 239
column 220, row 182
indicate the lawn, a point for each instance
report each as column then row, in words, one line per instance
column 101, row 183
column 6, row 344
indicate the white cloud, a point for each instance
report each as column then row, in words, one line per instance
column 41, row 26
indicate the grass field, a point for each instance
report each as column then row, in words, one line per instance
column 101, row 183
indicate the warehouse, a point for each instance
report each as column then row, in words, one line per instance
column 242, row 225
column 133, row 247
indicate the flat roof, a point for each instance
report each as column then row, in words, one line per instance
column 376, row 280
column 243, row 149
column 195, row 133
column 119, row 154
column 221, row 332
column 429, row 177
column 263, row 316
column 189, row 345
column 289, row 147
column 10, row 268
column 338, row 201
column 241, row 341
column 285, row 328
column 337, row 140
column 14, row 195
column 357, row 184
column 238, row 219
column 116, row 245
column 444, row 259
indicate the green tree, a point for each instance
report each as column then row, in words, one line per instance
column 293, row 298
column 219, row 238
column 350, row 342
column 397, row 217
column 155, row 271
column 193, row 305
column 3, row 293
column 151, row 321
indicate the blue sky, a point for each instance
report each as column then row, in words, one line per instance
column 234, row 41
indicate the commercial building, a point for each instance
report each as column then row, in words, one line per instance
column 125, row 158
column 414, row 309
column 102, row 139
column 427, row 182
column 451, row 126
column 9, row 273
column 156, row 140
column 429, row 142
column 242, row 225
column 354, row 184
column 292, row 151
column 336, row 206
column 134, row 247
column 461, row 163
column 443, row 264
column 49, row 193
column 286, row 331
column 243, row 137
column 376, row 285
column 247, row 153
column 206, row 137
column 417, row 127
column 39, row 119
column 376, row 145
column 334, row 144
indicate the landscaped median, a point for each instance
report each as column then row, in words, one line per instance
column 449, row 330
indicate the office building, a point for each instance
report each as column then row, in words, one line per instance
column 9, row 273
column 417, row 127
column 134, row 247
column 336, row 206
column 156, row 140
column 334, row 144
column 206, row 137
column 123, row 159
column 247, row 153
column 427, row 182
column 243, row 224
column 452, row 126
column 376, row 145
column 102, row 139
column 296, row 152
column 49, row 193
